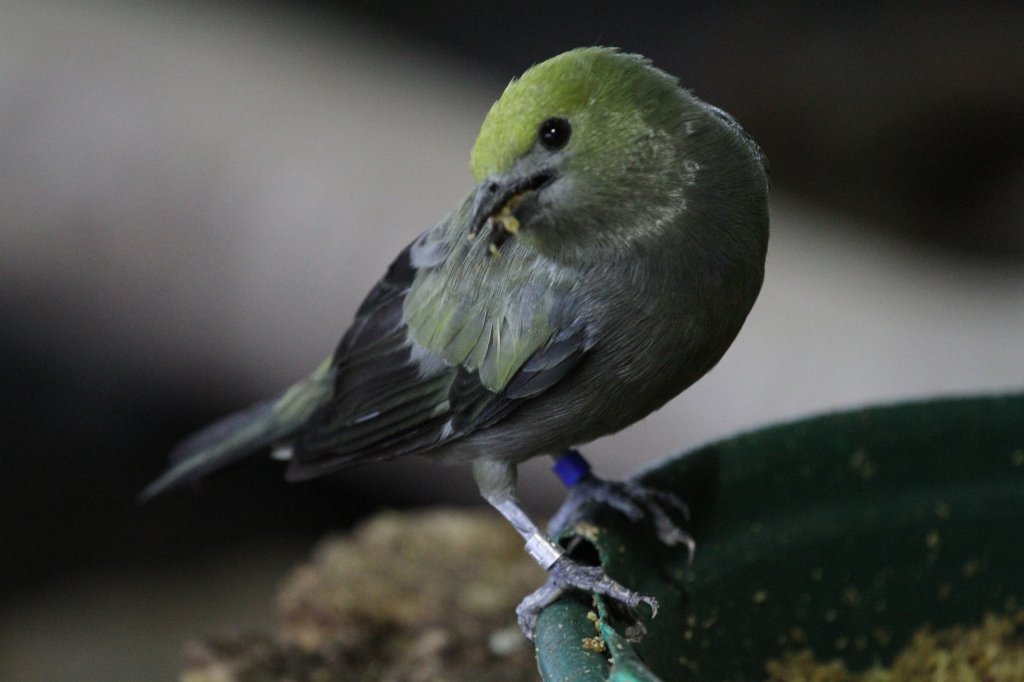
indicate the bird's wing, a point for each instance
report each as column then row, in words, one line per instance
column 450, row 341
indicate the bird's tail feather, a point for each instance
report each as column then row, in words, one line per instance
column 244, row 433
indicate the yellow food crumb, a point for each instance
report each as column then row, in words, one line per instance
column 850, row 596
column 991, row 651
column 862, row 465
column 587, row 530
column 510, row 224
column 504, row 217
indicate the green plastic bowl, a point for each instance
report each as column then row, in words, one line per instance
column 843, row 534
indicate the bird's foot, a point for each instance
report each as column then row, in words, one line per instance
column 567, row 574
column 630, row 498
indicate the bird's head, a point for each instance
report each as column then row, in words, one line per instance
column 595, row 151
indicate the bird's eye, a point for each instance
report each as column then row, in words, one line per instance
column 554, row 133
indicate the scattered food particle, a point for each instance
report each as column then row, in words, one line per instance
column 594, row 644
column 991, row 652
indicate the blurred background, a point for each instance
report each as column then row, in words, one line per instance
column 194, row 198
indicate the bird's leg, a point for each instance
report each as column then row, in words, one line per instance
column 497, row 481
column 630, row 497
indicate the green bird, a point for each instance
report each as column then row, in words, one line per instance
column 606, row 259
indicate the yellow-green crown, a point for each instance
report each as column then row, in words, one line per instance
column 560, row 86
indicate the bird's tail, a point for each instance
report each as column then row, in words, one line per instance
column 244, row 433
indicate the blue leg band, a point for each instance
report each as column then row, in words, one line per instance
column 571, row 468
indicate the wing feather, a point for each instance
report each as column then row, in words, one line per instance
column 450, row 341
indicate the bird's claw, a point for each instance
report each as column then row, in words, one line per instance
column 567, row 574
column 530, row 607
column 633, row 500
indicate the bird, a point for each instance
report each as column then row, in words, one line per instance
column 607, row 257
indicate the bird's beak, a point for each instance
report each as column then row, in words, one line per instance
column 501, row 199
